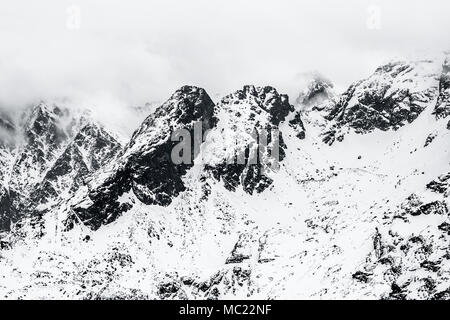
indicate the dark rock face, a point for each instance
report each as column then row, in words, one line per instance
column 429, row 139
column 440, row 185
column 145, row 167
column 445, row 226
column 415, row 207
column 361, row 276
column 7, row 132
column 442, row 109
column 8, row 212
column 232, row 174
column 156, row 179
column 252, row 111
column 393, row 96
column 241, row 250
column 380, row 113
column 7, row 137
column 435, row 207
column 397, row 292
column 298, row 126
column 265, row 98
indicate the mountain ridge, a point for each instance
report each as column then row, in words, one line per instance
column 362, row 212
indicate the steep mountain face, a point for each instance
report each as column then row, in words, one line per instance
column 46, row 158
column 44, row 138
column 7, row 136
column 40, row 138
column 8, row 213
column 249, row 137
column 390, row 98
column 367, row 217
column 91, row 148
column 145, row 166
column 315, row 102
column 7, row 133
column 443, row 103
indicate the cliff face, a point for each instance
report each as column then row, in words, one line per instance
column 442, row 109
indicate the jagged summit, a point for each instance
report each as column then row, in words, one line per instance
column 144, row 168
column 318, row 90
column 44, row 136
column 244, row 113
column 90, row 149
column 267, row 98
column 53, row 150
column 394, row 95
column 186, row 105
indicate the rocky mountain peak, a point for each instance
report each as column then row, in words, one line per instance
column 318, row 90
column 44, row 136
column 43, row 129
column 40, row 137
column 90, row 149
column 245, row 117
column 394, row 95
column 144, row 170
column 267, row 98
column 187, row 105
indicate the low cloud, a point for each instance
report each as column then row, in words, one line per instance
column 118, row 53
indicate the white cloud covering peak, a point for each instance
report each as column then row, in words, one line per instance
column 137, row 51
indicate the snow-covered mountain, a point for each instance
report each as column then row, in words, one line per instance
column 50, row 151
column 356, row 207
column 395, row 94
column 318, row 91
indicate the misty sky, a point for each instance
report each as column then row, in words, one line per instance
column 129, row 52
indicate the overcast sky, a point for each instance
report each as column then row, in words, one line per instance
column 128, row 52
